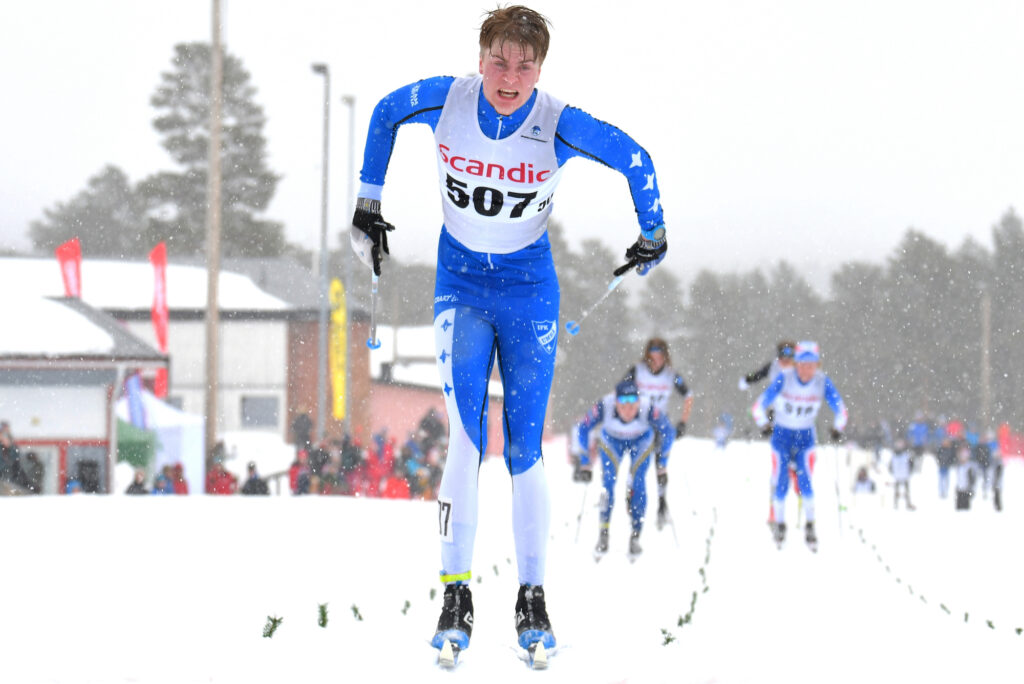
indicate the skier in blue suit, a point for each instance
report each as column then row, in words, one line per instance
column 796, row 395
column 629, row 425
column 501, row 145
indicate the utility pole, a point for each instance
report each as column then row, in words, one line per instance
column 213, row 216
column 321, row 370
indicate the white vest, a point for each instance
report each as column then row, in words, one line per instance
column 797, row 405
column 613, row 425
column 657, row 387
column 496, row 194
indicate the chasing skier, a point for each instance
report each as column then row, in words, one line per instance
column 796, row 395
column 657, row 380
column 501, row 145
column 629, row 426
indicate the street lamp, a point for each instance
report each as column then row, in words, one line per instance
column 321, row 371
column 350, row 102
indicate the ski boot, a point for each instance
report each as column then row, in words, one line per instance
column 602, row 544
column 455, row 625
column 663, row 517
column 779, row 533
column 811, row 536
column 634, row 546
column 533, row 625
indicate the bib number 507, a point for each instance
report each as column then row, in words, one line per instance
column 486, row 201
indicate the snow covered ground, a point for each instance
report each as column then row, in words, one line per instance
column 179, row 589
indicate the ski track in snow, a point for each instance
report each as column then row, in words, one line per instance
column 165, row 589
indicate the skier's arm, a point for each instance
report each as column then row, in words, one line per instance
column 760, row 408
column 660, row 422
column 581, row 443
column 837, row 405
column 758, row 375
column 581, row 135
column 419, row 102
column 684, row 391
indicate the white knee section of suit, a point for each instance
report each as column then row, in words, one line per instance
column 531, row 521
column 457, row 499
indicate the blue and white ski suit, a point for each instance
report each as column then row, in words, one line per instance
column 793, row 440
column 496, row 295
column 618, row 439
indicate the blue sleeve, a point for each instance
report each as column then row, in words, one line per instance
column 835, row 401
column 594, row 417
column 581, row 135
column 772, row 391
column 668, row 434
column 419, row 102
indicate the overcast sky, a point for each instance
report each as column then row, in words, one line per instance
column 812, row 131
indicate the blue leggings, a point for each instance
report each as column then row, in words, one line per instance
column 796, row 447
column 612, row 451
column 495, row 308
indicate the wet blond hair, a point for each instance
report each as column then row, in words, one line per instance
column 516, row 24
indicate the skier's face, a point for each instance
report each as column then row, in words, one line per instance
column 627, row 411
column 805, row 370
column 510, row 75
column 655, row 360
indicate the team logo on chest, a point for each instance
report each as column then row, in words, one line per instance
column 545, row 332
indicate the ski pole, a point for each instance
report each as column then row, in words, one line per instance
column 839, row 502
column 573, row 327
column 373, row 342
column 579, row 517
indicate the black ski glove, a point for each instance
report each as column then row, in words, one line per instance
column 836, row 436
column 766, row 431
column 368, row 219
column 582, row 474
column 680, row 429
column 647, row 252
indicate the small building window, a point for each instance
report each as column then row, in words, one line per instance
column 259, row 412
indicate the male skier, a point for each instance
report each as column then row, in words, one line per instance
column 501, row 145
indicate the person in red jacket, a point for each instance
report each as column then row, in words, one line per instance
column 395, row 486
column 220, row 481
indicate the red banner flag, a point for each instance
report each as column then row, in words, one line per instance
column 69, row 256
column 158, row 257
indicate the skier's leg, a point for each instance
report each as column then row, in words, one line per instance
column 780, row 476
column 802, row 462
column 527, row 333
column 611, row 454
column 465, row 344
column 641, row 453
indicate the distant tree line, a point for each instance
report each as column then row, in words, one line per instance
column 899, row 337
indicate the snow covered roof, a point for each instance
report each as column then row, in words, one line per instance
column 409, row 351
column 65, row 328
column 114, row 285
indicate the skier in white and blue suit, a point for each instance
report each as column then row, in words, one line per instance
column 629, row 425
column 796, row 395
column 501, row 146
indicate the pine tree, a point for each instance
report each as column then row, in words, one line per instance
column 179, row 199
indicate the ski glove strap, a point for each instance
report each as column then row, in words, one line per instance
column 647, row 252
column 369, row 234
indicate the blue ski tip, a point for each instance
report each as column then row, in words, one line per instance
column 373, row 344
column 572, row 327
